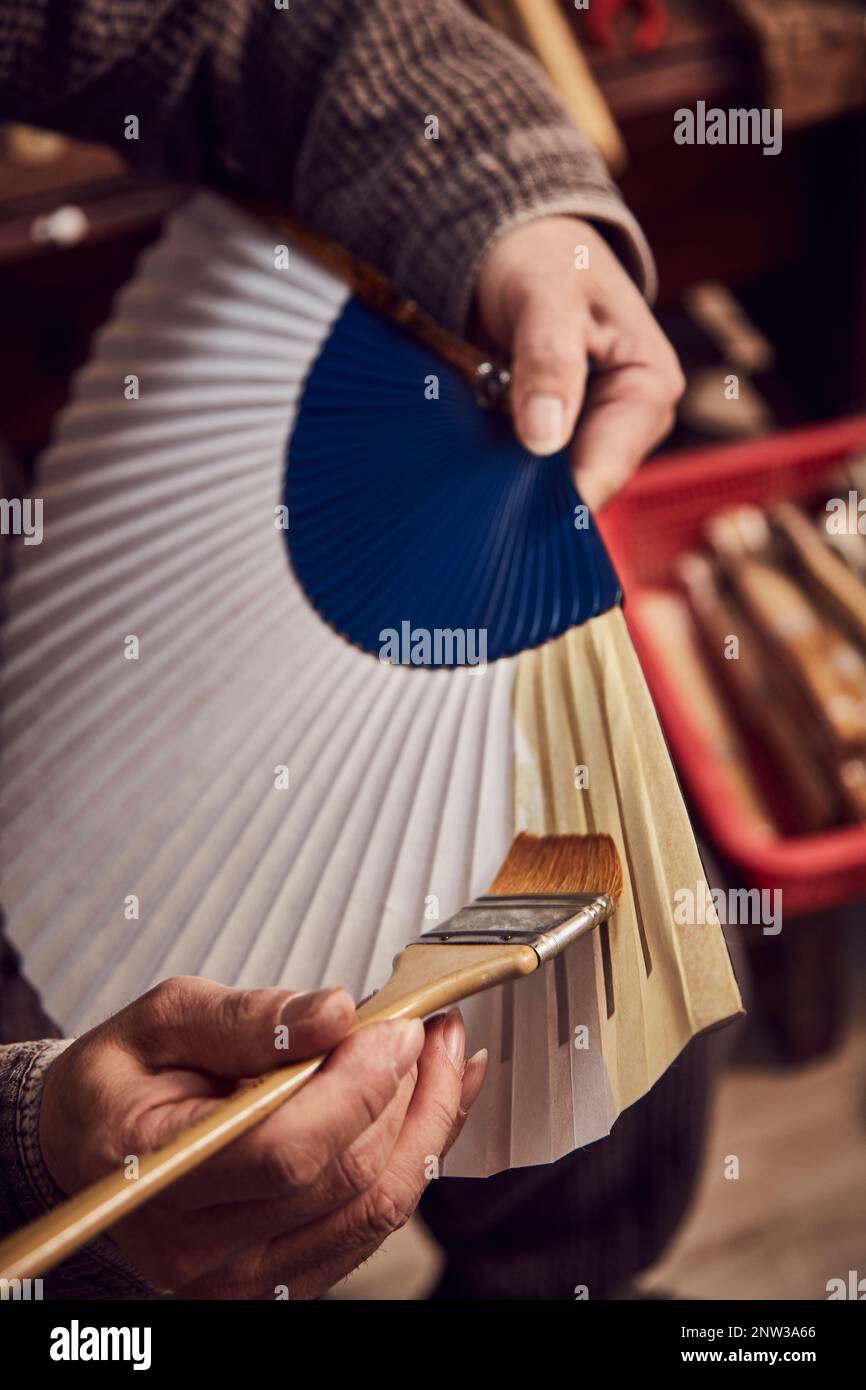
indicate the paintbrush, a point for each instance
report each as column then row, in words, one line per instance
column 550, row 891
column 403, row 505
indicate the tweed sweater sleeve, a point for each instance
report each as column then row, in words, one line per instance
column 325, row 106
column 27, row 1189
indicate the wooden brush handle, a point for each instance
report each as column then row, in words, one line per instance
column 762, row 692
column 830, row 670
column 842, row 593
column 424, row 980
column 667, row 618
column 376, row 290
column 833, row 582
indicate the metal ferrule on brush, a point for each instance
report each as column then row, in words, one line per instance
column 548, row 922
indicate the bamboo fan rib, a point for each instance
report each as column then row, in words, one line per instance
column 154, row 779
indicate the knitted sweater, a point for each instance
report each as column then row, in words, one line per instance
column 324, row 106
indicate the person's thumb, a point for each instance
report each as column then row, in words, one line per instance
column 188, row 1022
column 549, row 369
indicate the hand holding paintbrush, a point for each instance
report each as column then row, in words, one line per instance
column 549, row 892
column 299, row 1200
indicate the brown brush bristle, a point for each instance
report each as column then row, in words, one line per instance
column 560, row 864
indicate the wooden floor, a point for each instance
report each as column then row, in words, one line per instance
column 794, row 1218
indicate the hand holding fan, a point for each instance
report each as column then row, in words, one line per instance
column 208, row 770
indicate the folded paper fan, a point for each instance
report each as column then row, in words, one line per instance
column 208, row 770
column 424, row 510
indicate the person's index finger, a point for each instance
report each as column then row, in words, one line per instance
column 292, row 1147
column 188, row 1022
column 629, row 409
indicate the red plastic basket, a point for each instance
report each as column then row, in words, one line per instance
column 660, row 514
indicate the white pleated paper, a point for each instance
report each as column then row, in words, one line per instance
column 154, row 779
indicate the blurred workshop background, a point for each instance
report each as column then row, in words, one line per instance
column 747, row 528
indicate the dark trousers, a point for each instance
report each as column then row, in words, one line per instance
column 593, row 1220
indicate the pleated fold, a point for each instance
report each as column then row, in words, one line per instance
column 254, row 799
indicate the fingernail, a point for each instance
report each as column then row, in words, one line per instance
column 543, row 424
column 409, row 1035
column 454, row 1038
column 306, row 1004
column 476, row 1063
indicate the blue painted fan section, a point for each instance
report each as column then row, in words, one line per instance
column 403, row 509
